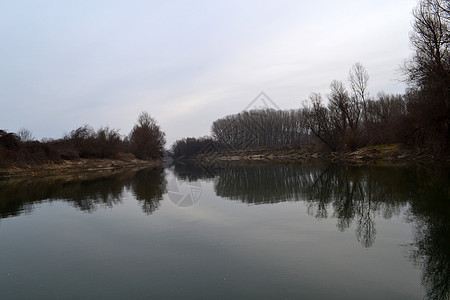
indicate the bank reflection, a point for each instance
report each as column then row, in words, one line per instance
column 86, row 193
column 430, row 214
column 148, row 187
column 193, row 171
column 356, row 195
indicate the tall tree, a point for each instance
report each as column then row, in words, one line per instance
column 344, row 114
column 428, row 73
column 146, row 138
column 430, row 39
column 359, row 78
column 318, row 121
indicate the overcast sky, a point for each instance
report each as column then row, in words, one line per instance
column 68, row 63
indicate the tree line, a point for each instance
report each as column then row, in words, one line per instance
column 352, row 118
column 23, row 196
column 145, row 141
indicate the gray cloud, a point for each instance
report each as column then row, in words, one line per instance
column 187, row 63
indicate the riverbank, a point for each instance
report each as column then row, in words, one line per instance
column 77, row 167
column 394, row 153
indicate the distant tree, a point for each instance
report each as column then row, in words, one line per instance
column 9, row 140
column 345, row 108
column 260, row 128
column 81, row 133
column 86, row 142
column 25, row 135
column 359, row 78
column 319, row 122
column 189, row 147
column 344, row 114
column 81, row 142
column 108, row 141
column 386, row 119
column 146, row 138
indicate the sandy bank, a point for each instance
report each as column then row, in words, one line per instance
column 381, row 153
column 68, row 167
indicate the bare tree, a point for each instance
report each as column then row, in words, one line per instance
column 318, row 121
column 430, row 39
column 344, row 114
column 25, row 135
column 428, row 73
column 146, row 138
column 344, row 108
column 190, row 147
column 260, row 128
column 108, row 142
column 443, row 6
column 359, row 78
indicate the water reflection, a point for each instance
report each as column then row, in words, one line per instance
column 193, row 171
column 148, row 187
column 355, row 194
column 348, row 193
column 86, row 194
column 430, row 213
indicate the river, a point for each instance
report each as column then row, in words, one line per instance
column 264, row 231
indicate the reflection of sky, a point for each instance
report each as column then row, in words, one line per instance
column 216, row 247
column 287, row 249
column 187, row 63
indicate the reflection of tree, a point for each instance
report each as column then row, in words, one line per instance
column 262, row 183
column 87, row 195
column 431, row 251
column 191, row 170
column 354, row 193
column 360, row 194
column 365, row 229
column 17, row 197
column 319, row 190
column 430, row 212
column 148, row 187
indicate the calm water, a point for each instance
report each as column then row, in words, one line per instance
column 299, row 231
